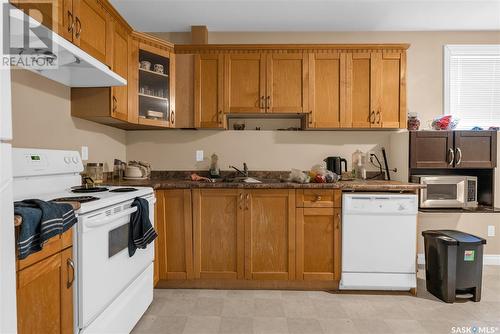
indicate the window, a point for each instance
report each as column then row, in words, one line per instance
column 472, row 84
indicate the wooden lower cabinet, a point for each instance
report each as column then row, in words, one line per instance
column 270, row 234
column 243, row 235
column 174, row 258
column 318, row 243
column 218, row 233
column 45, row 295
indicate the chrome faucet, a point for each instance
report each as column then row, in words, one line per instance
column 242, row 173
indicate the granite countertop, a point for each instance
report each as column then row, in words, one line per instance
column 370, row 185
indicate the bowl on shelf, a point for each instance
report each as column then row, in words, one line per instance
column 145, row 65
column 158, row 68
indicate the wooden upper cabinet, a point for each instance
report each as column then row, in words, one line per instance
column 208, row 85
column 244, row 84
column 270, row 234
column 376, row 90
column 318, row 243
column 92, row 28
column 45, row 295
column 218, row 233
column 326, row 86
column 431, row 149
column 119, row 60
column 390, row 90
column 475, row 149
column 174, row 225
column 358, row 97
column 287, row 83
column 55, row 14
column 453, row 149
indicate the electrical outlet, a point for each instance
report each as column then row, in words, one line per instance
column 199, row 155
column 491, row 230
column 85, row 153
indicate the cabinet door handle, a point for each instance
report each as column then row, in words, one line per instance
column 378, row 117
column 71, row 265
column 318, row 198
column 310, row 117
column 71, row 22
column 247, row 199
column 262, row 102
column 459, row 155
column 452, row 156
column 372, row 117
column 78, row 27
column 172, row 117
column 115, row 104
column 268, row 102
column 220, row 117
column 241, row 201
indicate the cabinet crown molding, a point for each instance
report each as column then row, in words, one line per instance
column 286, row 48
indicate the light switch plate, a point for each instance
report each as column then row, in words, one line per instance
column 199, row 155
column 85, row 153
column 491, row 230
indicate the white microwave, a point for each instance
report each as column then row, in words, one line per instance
column 447, row 191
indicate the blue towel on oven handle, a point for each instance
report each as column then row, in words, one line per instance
column 141, row 231
column 41, row 221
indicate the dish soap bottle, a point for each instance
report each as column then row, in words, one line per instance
column 359, row 165
column 214, row 170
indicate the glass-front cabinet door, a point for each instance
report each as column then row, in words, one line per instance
column 154, row 83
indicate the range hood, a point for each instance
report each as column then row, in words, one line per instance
column 75, row 67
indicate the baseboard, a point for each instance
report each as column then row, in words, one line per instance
column 488, row 259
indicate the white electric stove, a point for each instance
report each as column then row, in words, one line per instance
column 112, row 290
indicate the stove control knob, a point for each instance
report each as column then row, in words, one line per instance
column 75, row 160
column 67, row 160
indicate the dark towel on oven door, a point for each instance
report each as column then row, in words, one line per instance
column 41, row 221
column 141, row 231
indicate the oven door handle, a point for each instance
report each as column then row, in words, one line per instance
column 100, row 222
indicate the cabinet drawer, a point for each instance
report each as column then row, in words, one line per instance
column 318, row 198
column 54, row 245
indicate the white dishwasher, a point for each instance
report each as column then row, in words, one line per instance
column 379, row 232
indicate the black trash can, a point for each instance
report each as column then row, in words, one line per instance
column 453, row 264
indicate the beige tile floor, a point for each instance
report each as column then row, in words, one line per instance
column 302, row 312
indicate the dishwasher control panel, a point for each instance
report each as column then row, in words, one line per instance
column 379, row 203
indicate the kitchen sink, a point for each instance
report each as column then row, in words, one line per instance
column 247, row 180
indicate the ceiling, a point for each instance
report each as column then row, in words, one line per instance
column 312, row 15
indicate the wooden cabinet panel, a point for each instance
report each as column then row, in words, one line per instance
column 358, row 97
column 244, row 84
column 208, row 85
column 218, row 233
column 318, row 244
column 55, row 14
column 45, row 297
column 475, row 149
column 91, row 29
column 327, row 90
column 174, row 225
column 391, row 90
column 287, row 83
column 119, row 55
column 270, row 234
column 431, row 149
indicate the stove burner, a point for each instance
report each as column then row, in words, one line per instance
column 79, row 199
column 122, row 190
column 88, row 190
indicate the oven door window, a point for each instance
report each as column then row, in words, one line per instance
column 442, row 192
column 118, row 240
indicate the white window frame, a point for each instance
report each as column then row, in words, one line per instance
column 462, row 49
